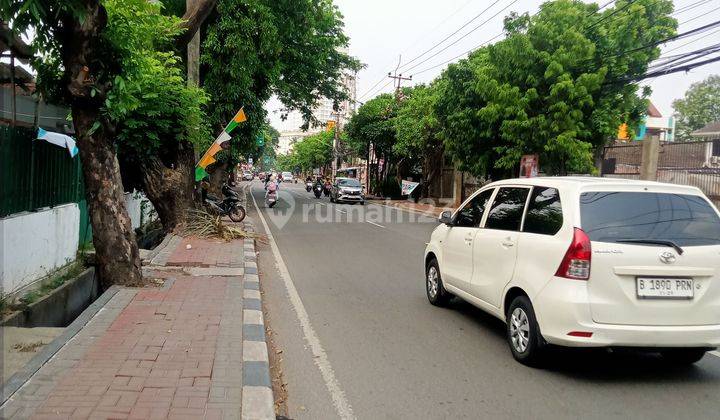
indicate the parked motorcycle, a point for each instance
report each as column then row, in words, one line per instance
column 318, row 190
column 308, row 186
column 229, row 206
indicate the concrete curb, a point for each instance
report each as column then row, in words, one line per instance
column 16, row 381
column 162, row 252
column 257, row 397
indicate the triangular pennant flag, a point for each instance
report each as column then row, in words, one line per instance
column 237, row 119
column 206, row 161
column 222, row 138
column 200, row 173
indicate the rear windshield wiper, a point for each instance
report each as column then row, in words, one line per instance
column 654, row 242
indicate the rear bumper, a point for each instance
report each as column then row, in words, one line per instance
column 351, row 197
column 563, row 307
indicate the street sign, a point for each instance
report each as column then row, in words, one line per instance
column 408, row 187
column 529, row 166
column 330, row 125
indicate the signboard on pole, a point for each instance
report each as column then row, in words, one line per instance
column 529, row 166
column 407, row 187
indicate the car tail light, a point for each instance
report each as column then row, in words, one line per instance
column 576, row 263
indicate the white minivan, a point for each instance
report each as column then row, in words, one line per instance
column 585, row 262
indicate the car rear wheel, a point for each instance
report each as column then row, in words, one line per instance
column 436, row 293
column 523, row 334
column 683, row 356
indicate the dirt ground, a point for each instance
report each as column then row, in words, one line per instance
column 22, row 344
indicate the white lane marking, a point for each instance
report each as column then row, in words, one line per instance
column 715, row 353
column 342, row 406
column 341, row 211
column 373, row 223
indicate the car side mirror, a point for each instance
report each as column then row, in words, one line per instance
column 446, row 218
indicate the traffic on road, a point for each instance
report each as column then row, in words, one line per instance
column 606, row 289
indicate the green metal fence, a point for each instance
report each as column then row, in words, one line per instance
column 35, row 174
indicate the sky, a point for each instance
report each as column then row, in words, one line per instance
column 384, row 31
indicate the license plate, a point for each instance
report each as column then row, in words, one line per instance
column 665, row 288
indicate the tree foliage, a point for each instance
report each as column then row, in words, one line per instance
column 699, row 107
column 554, row 86
column 374, row 125
column 312, row 152
column 417, row 129
column 151, row 103
column 256, row 48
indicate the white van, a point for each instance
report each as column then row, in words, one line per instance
column 577, row 261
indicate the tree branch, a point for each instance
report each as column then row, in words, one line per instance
column 193, row 20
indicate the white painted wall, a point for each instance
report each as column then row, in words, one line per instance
column 139, row 208
column 33, row 244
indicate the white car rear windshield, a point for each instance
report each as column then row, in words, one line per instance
column 686, row 220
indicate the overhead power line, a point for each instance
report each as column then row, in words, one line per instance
column 459, row 55
column 418, row 39
column 692, row 42
column 690, row 7
column 452, row 34
column 671, row 38
column 611, row 14
column 686, row 57
column 673, row 69
column 462, row 37
column 704, row 14
column 493, row 38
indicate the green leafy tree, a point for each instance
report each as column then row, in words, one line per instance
column 256, row 48
column 556, row 86
column 699, row 107
column 371, row 132
column 417, row 131
column 312, row 152
column 160, row 120
column 101, row 58
column 72, row 34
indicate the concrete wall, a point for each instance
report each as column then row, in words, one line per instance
column 140, row 209
column 36, row 243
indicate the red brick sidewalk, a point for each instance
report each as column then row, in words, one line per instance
column 174, row 352
column 154, row 361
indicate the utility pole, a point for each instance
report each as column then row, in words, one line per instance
column 398, row 79
column 193, row 53
column 336, row 140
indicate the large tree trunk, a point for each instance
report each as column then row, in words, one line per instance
column 116, row 250
column 170, row 189
column 432, row 166
column 115, row 247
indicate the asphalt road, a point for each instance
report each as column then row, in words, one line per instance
column 393, row 355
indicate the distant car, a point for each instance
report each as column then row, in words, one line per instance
column 585, row 262
column 248, row 176
column 347, row 190
column 287, row 177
